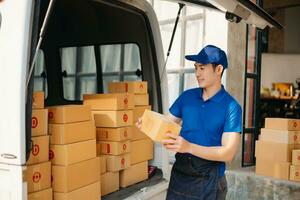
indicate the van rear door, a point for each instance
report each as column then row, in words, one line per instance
column 237, row 10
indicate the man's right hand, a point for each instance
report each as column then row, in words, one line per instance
column 138, row 124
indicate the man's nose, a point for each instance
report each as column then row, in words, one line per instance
column 198, row 72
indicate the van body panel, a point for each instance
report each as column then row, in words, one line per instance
column 12, row 185
column 15, row 37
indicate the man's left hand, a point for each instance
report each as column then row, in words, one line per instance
column 176, row 144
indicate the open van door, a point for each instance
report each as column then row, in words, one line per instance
column 238, row 10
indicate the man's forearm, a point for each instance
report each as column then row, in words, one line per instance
column 218, row 153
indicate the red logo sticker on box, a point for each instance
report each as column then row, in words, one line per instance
column 295, row 124
column 124, row 147
column 298, row 157
column 297, row 174
column 295, row 137
column 125, row 117
column 125, row 133
column 36, row 177
column 35, row 150
column 34, row 122
column 50, row 115
column 141, row 86
column 51, row 154
column 126, row 87
column 123, row 161
column 125, row 100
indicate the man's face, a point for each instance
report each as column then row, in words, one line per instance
column 207, row 75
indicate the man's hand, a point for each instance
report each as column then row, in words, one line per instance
column 176, row 144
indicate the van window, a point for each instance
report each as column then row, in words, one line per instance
column 79, row 71
column 118, row 62
column 40, row 80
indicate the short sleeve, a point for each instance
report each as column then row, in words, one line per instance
column 176, row 108
column 233, row 119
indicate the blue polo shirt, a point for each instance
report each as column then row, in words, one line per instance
column 204, row 122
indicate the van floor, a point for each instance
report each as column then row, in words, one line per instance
column 123, row 193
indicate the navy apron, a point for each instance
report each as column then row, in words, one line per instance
column 193, row 178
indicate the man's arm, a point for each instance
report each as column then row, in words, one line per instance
column 224, row 153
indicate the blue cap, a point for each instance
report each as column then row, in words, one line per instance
column 210, row 55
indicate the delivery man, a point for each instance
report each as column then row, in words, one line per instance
column 210, row 134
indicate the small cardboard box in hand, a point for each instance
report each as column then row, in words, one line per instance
column 156, row 125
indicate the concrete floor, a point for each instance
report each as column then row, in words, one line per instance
column 245, row 184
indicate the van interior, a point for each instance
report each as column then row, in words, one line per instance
column 87, row 44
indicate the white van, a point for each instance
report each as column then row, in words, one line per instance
column 81, row 45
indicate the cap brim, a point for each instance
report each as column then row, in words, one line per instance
column 191, row 57
column 195, row 58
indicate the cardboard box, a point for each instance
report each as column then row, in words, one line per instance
column 282, row 124
column 295, row 173
column 136, row 87
column 114, row 134
column 72, row 153
column 39, row 122
column 72, row 132
column 38, row 99
column 117, row 101
column 72, row 177
column 141, row 99
column 40, row 150
column 113, row 118
column 98, row 150
column 296, row 157
column 102, row 159
column 136, row 173
column 137, row 134
column 117, row 163
column 282, row 170
column 109, row 183
column 41, row 195
column 114, row 148
column 280, row 136
column 138, row 112
column 156, row 125
column 69, row 114
column 141, row 150
column 89, row 192
column 275, row 169
column 38, row 177
column 274, row 151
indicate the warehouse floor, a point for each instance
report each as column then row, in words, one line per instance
column 245, row 184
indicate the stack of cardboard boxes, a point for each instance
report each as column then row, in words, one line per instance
column 75, row 166
column 295, row 167
column 38, row 173
column 274, row 148
column 113, row 118
column 141, row 145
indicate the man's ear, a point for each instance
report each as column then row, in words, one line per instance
column 220, row 69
